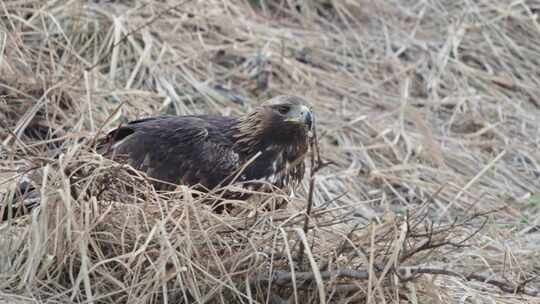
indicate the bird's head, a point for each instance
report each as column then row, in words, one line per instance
column 287, row 118
column 289, row 112
column 283, row 122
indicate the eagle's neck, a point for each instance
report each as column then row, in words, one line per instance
column 249, row 135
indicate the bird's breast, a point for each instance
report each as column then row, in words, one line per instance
column 271, row 166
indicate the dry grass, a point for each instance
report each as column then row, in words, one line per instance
column 428, row 111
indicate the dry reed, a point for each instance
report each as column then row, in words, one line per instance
column 426, row 111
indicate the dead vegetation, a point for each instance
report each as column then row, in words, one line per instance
column 427, row 189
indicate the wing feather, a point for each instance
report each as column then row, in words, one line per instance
column 179, row 150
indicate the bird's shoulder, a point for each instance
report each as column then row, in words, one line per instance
column 171, row 129
column 178, row 149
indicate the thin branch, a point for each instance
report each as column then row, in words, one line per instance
column 316, row 165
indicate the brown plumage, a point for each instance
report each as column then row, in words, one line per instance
column 211, row 150
column 268, row 144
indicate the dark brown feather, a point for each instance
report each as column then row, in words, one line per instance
column 210, row 150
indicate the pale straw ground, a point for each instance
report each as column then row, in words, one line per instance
column 428, row 112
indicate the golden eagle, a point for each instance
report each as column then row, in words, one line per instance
column 268, row 144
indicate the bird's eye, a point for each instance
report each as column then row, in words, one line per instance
column 283, row 109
